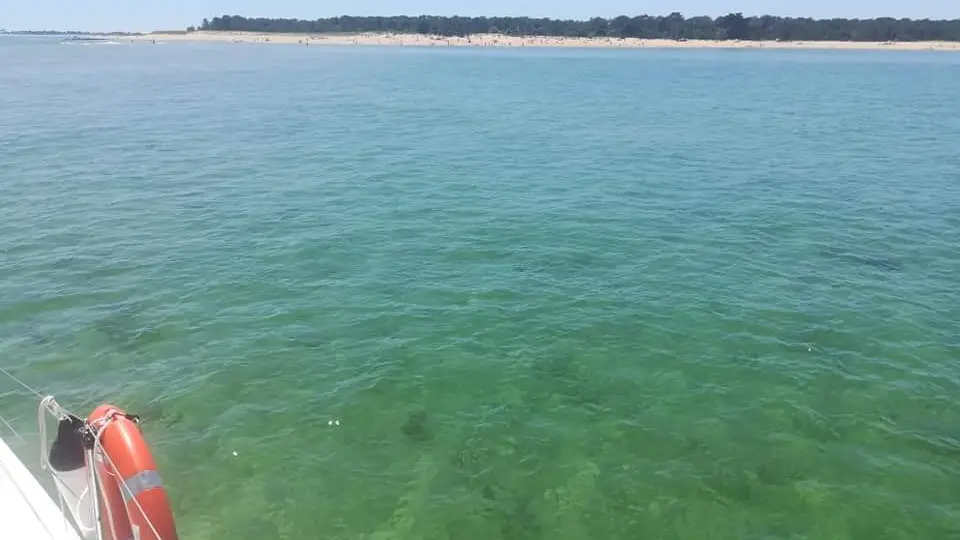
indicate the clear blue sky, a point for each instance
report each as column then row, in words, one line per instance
column 142, row 15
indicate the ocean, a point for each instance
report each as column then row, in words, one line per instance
column 413, row 293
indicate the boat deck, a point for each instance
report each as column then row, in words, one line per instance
column 26, row 510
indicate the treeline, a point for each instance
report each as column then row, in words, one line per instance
column 673, row 26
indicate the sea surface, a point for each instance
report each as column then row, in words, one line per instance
column 412, row 293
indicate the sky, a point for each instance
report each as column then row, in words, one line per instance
column 146, row 15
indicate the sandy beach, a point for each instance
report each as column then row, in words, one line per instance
column 495, row 40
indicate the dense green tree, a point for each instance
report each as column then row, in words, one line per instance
column 734, row 26
column 673, row 26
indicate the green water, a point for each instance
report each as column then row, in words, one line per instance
column 547, row 294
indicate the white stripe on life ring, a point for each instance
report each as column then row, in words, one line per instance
column 140, row 482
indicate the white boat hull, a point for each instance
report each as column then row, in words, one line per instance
column 26, row 510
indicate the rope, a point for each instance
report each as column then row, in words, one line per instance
column 17, row 435
column 29, row 389
column 92, row 488
column 113, row 528
column 21, row 383
column 83, row 495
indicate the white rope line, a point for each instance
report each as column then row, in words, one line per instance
column 93, row 481
column 113, row 528
column 84, row 494
column 17, row 435
column 21, row 383
column 79, row 497
column 66, row 524
column 123, row 484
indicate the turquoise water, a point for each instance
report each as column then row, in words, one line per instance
column 547, row 294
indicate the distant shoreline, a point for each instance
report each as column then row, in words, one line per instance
column 498, row 40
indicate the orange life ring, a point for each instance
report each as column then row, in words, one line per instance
column 133, row 503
